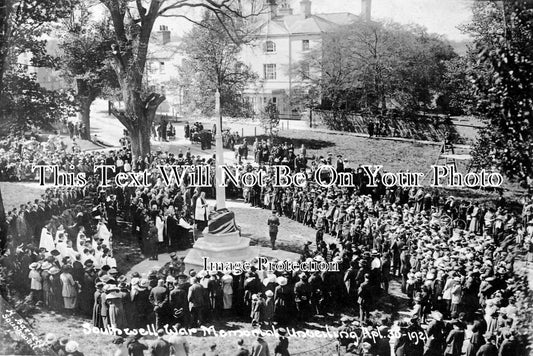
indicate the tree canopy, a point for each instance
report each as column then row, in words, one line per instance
column 375, row 65
column 504, row 86
column 23, row 25
column 85, row 61
column 212, row 62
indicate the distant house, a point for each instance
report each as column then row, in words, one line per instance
column 280, row 43
column 162, row 64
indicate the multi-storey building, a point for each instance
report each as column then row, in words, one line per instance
column 164, row 58
column 280, row 44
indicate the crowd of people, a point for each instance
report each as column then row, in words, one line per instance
column 18, row 155
column 61, row 247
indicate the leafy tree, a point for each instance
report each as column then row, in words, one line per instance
column 212, row 62
column 504, row 44
column 372, row 65
column 27, row 104
column 22, row 24
column 133, row 22
column 85, row 46
column 270, row 119
column 457, row 92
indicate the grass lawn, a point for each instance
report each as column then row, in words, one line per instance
column 15, row 194
column 100, row 345
column 392, row 155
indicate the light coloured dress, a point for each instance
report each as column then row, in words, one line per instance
column 70, row 290
column 227, row 290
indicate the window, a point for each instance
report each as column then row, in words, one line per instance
column 274, row 99
column 161, row 67
column 270, row 47
column 305, row 45
column 305, row 71
column 269, row 71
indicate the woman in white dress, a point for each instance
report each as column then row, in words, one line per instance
column 47, row 240
column 160, row 225
column 69, row 290
column 103, row 233
column 227, row 290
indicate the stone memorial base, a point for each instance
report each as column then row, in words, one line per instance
column 223, row 247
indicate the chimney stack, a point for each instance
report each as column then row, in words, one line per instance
column 366, row 10
column 273, row 9
column 305, row 8
column 164, row 34
column 285, row 8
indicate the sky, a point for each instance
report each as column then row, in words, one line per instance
column 439, row 16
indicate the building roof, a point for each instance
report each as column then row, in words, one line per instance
column 340, row 18
column 163, row 51
column 297, row 24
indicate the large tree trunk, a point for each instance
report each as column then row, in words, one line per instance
column 85, row 113
column 3, row 226
column 137, row 118
column 140, row 139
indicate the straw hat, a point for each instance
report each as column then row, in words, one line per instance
column 46, row 265
column 282, row 281
column 72, row 346
column 50, row 338
column 144, row 283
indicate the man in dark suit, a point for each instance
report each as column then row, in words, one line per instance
column 159, row 299
column 160, row 347
column 302, row 293
column 405, row 266
column 196, row 299
column 489, row 349
column 365, row 296
column 179, row 304
column 455, row 339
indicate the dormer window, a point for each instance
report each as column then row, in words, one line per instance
column 270, row 47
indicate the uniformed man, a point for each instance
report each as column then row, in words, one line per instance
column 273, row 223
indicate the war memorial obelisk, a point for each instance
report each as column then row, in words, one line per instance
column 223, row 241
